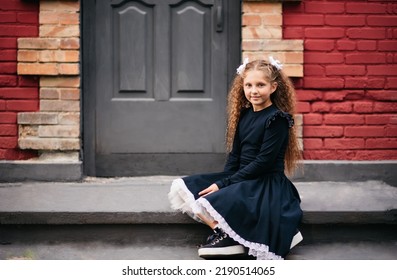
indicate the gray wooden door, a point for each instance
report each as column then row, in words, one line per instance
column 161, row 86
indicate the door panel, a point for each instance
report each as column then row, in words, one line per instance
column 160, row 86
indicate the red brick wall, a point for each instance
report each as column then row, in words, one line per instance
column 17, row 93
column 349, row 91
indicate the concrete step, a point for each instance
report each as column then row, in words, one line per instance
column 143, row 200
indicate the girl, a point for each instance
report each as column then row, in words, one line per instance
column 251, row 204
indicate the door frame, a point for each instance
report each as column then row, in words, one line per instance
column 88, row 72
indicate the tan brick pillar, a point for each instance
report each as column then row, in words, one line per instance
column 55, row 57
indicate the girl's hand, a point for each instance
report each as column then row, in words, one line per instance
column 211, row 189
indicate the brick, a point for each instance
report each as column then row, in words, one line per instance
column 37, row 69
column 61, row 18
column 22, row 105
column 73, row 82
column 387, row 45
column 49, row 93
column 314, row 70
column 293, row 70
column 325, row 32
column 345, row 45
column 272, row 20
column 8, row 68
column 342, row 107
column 312, row 119
column 38, row 118
column 19, row 93
column 59, row 131
column 391, row 131
column 382, row 20
column 8, row 55
column 322, row 131
column 364, row 131
column 326, row 83
column 313, row 144
column 8, row 117
column 18, row 30
column 303, row 107
column 335, row 95
column 19, row 6
column 343, row 20
column 261, row 33
column 59, row 56
column 319, row 45
column 69, row 68
column 376, row 155
column 70, row 43
column 344, row 144
column 385, row 107
column 8, row 142
column 363, row 107
column 385, row 95
column 343, row 119
column 28, row 17
column 293, row 33
column 16, row 154
column 333, row 70
column 365, row 8
column 321, row 107
column 62, row 6
column 69, row 118
column 366, row 33
column 324, row 8
column 59, row 31
column 365, row 58
column 309, row 95
column 28, row 81
column 391, row 83
column 329, row 58
column 251, row 45
column 49, row 144
column 283, row 45
column 381, row 143
column 262, row 8
column 8, row 130
column 28, row 56
column 376, row 70
column 39, row 43
column 380, row 119
column 69, row 94
column 59, row 106
column 8, row 43
column 356, row 83
column 8, row 80
column 303, row 20
column 7, row 17
column 251, row 19
column 367, row 45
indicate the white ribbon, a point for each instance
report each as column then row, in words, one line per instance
column 276, row 63
column 241, row 68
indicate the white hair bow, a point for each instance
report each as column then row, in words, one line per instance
column 241, row 68
column 276, row 63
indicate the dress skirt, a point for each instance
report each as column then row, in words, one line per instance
column 262, row 214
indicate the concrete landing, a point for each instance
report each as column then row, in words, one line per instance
column 143, row 200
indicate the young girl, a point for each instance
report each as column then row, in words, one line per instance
column 251, row 204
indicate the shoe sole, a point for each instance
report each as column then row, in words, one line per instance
column 221, row 251
column 296, row 239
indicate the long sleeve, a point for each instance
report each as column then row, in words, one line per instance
column 273, row 140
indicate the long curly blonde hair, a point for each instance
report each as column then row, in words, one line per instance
column 283, row 98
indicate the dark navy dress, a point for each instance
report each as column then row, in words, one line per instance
column 257, row 205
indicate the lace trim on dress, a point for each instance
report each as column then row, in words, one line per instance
column 182, row 199
column 260, row 251
column 279, row 113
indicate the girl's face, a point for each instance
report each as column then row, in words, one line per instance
column 257, row 89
